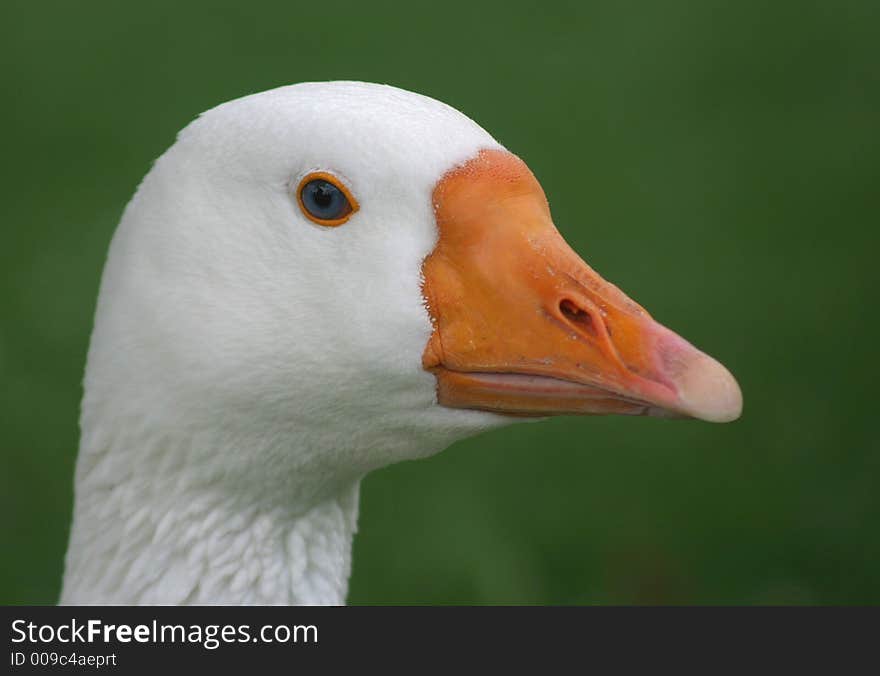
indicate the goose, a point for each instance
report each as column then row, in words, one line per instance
column 311, row 283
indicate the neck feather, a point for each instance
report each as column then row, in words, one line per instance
column 153, row 539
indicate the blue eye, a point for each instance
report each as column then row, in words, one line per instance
column 324, row 200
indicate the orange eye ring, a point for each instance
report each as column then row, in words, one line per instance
column 322, row 177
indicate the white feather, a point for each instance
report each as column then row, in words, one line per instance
column 248, row 367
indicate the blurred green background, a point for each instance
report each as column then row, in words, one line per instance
column 718, row 160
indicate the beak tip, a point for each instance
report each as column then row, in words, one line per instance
column 708, row 391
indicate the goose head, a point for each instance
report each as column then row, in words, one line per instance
column 323, row 279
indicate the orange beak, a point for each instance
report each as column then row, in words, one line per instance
column 522, row 326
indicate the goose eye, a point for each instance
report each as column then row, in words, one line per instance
column 325, row 200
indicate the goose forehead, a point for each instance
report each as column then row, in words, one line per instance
column 362, row 130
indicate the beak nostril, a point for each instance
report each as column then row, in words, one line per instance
column 578, row 316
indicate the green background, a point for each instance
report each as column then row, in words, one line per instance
column 717, row 160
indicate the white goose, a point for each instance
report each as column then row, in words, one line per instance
column 311, row 283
